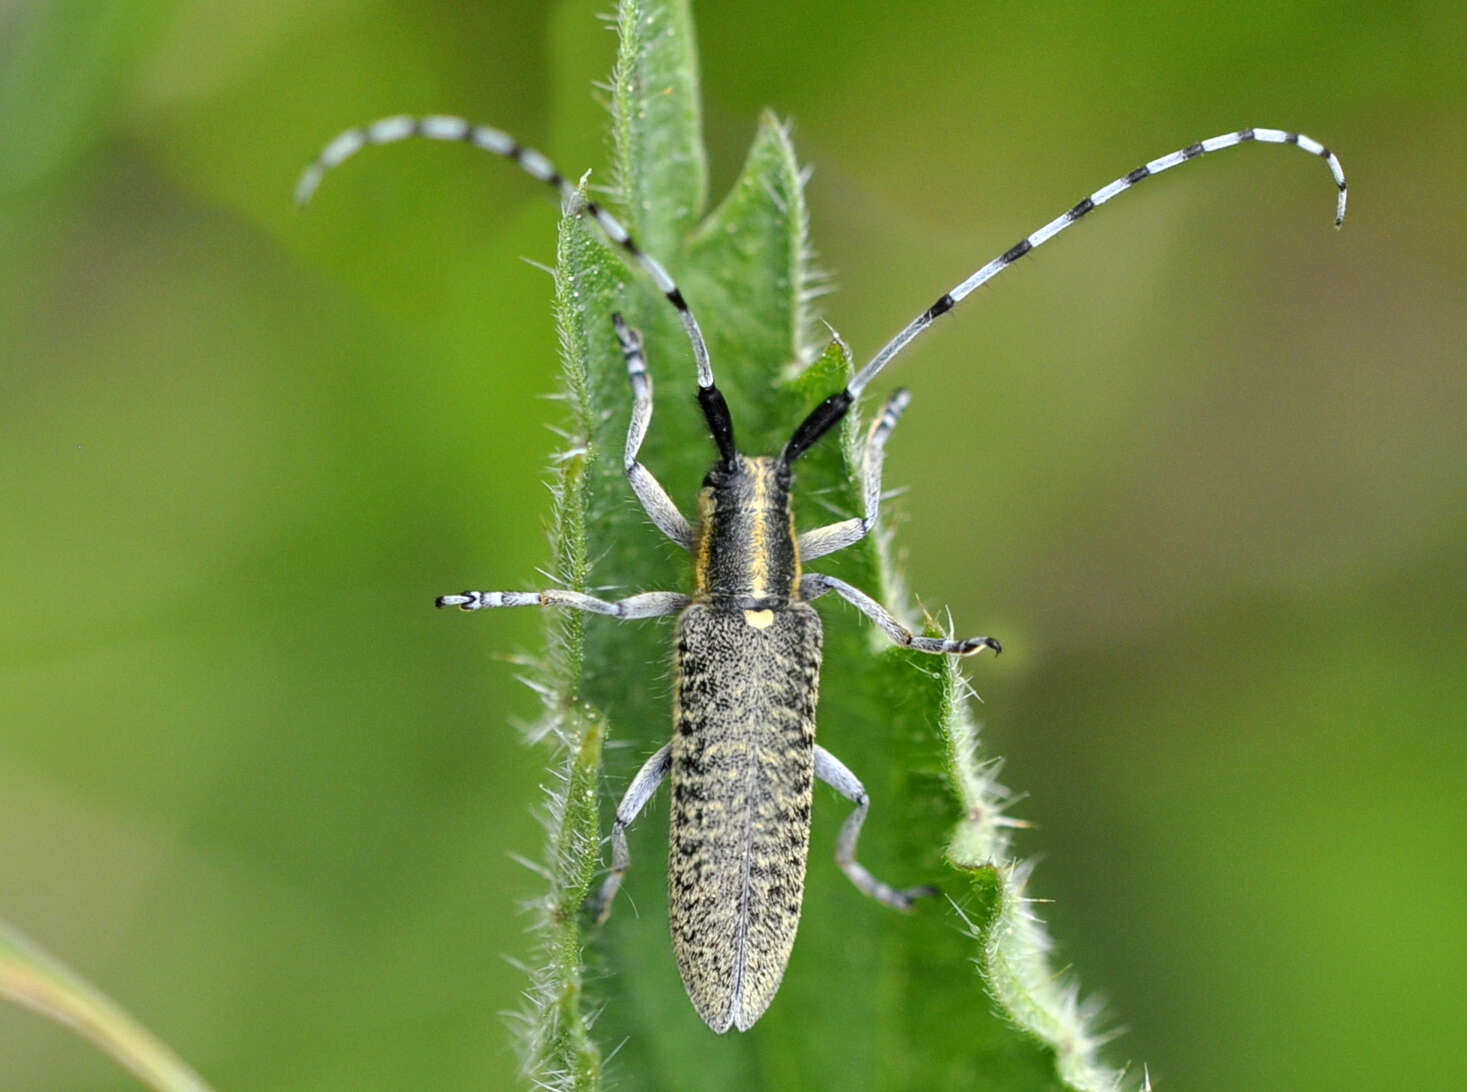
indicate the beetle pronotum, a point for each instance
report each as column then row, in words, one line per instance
column 743, row 756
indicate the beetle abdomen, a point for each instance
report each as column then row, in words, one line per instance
column 743, row 763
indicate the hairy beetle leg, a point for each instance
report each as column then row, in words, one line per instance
column 814, row 585
column 834, row 773
column 648, row 778
column 645, row 605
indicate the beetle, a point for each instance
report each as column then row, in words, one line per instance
column 743, row 759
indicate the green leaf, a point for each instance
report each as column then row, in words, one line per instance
column 957, row 995
column 746, row 269
column 661, row 168
column 556, row 1045
column 37, row 980
column 558, row 1048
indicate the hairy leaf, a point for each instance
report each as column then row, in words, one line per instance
column 957, row 995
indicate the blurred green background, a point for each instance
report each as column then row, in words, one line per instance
column 1200, row 464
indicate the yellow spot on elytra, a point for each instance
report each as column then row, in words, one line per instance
column 759, row 619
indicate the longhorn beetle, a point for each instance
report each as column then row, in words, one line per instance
column 743, row 756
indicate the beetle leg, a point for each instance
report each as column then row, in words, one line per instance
column 638, row 793
column 834, row 773
column 646, row 605
column 814, row 585
column 837, row 536
column 654, row 499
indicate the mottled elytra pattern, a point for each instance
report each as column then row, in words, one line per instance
column 742, row 776
column 743, row 756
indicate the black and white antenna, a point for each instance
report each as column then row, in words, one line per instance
column 948, row 300
column 459, row 131
column 833, row 408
